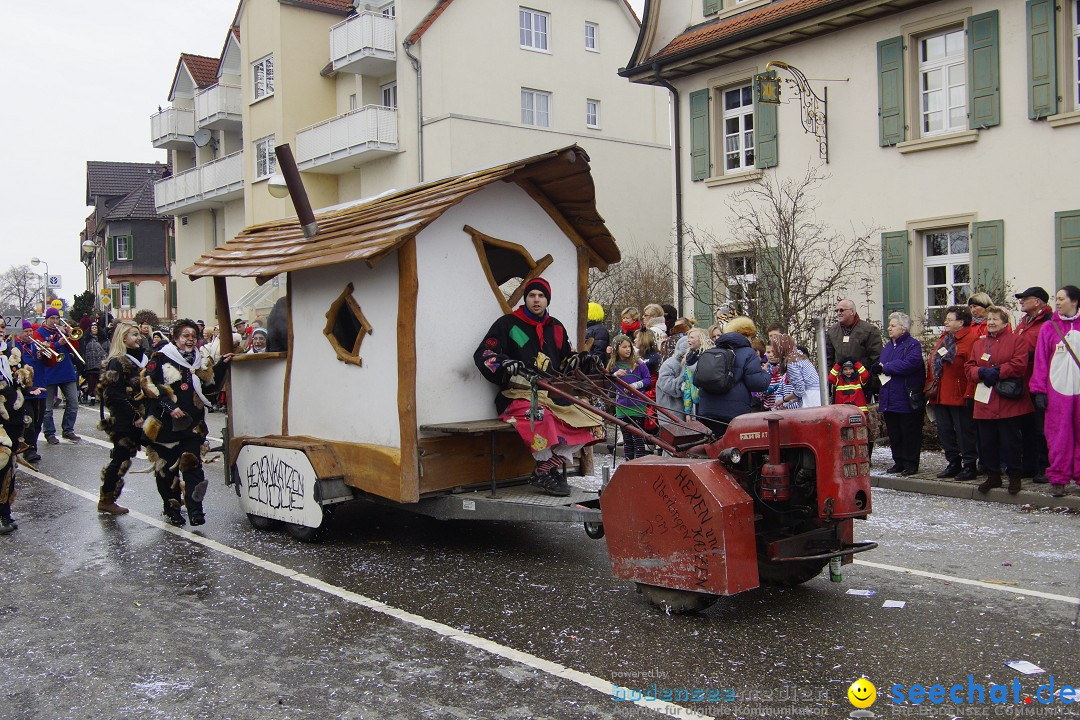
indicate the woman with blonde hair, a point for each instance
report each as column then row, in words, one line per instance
column 652, row 318
column 718, row 410
column 627, row 365
column 120, row 391
column 698, row 342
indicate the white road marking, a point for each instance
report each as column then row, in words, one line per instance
column 975, row 583
column 107, row 445
column 606, row 687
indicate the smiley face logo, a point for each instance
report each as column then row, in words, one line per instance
column 862, row 693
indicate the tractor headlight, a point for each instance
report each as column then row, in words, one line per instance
column 730, row 456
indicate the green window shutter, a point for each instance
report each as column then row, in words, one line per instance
column 131, row 247
column 703, row 288
column 700, row 157
column 895, row 290
column 988, row 258
column 110, row 244
column 131, row 294
column 172, row 248
column 172, row 294
column 1042, row 59
column 770, row 284
column 890, row 59
column 766, row 148
column 710, row 6
column 115, row 292
column 984, row 73
column 1067, row 247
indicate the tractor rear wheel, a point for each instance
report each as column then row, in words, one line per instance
column 676, row 602
column 788, row 574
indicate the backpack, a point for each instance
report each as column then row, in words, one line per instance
column 715, row 371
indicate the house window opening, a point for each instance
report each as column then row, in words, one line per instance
column 738, row 128
column 533, row 29
column 346, row 327
column 509, row 267
column 742, row 283
column 947, row 264
column 943, row 83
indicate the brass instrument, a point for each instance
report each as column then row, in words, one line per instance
column 67, row 334
column 45, row 352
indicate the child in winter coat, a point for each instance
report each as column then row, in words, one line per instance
column 848, row 381
column 628, row 367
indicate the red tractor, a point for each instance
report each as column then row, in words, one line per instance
column 773, row 501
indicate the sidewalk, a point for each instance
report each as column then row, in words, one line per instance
column 926, row 483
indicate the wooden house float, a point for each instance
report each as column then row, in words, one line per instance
column 376, row 392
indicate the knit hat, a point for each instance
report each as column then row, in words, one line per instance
column 848, row 364
column 539, row 284
column 596, row 311
column 52, row 312
column 27, row 325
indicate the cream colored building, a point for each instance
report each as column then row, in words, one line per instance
column 953, row 126
column 385, row 95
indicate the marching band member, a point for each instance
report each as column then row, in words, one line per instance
column 35, row 395
column 176, row 383
column 62, row 377
column 14, row 376
column 120, row 390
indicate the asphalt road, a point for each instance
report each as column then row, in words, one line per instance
column 399, row 616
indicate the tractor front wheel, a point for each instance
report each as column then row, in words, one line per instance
column 789, row 574
column 676, row 602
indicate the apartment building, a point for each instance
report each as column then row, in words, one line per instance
column 384, row 95
column 133, row 249
column 952, row 126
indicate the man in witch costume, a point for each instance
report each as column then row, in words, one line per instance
column 523, row 343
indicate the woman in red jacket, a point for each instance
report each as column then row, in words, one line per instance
column 1000, row 355
column 949, row 393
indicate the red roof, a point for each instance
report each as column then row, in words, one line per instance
column 203, row 69
column 704, row 35
column 432, row 16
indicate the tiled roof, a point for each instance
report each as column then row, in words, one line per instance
column 136, row 205
column 709, row 33
column 105, row 178
column 370, row 229
column 203, row 69
column 427, row 22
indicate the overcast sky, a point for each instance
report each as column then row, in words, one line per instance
column 80, row 81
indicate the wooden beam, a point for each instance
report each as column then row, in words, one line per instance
column 553, row 212
column 408, row 288
column 582, row 295
column 288, row 356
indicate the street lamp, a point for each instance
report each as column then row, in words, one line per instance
column 45, row 285
column 89, row 247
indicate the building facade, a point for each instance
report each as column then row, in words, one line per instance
column 381, row 96
column 130, row 265
column 953, row 130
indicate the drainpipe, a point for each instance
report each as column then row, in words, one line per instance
column 419, row 108
column 677, row 142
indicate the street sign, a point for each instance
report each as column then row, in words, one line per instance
column 53, row 282
column 58, row 304
column 106, row 299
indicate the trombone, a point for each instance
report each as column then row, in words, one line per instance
column 46, row 352
column 69, row 333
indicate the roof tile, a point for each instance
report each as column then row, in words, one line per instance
column 716, row 30
column 136, row 205
column 105, row 178
column 203, row 69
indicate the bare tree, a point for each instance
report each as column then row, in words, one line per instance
column 780, row 264
column 20, row 287
column 643, row 276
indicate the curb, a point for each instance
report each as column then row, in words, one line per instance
column 968, row 492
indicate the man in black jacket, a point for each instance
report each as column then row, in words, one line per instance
column 854, row 338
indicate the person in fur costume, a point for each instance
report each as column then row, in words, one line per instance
column 14, row 378
column 527, row 341
column 120, row 391
column 176, row 383
column 1055, row 388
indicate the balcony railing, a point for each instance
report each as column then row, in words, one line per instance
column 218, row 105
column 336, row 145
column 364, row 44
column 217, row 181
column 172, row 127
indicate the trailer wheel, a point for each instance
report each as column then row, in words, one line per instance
column 789, row 574
column 306, row 534
column 676, row 602
column 262, row 523
column 594, row 530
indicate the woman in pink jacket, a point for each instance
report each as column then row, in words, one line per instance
column 1055, row 387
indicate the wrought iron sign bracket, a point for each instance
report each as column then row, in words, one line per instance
column 814, row 110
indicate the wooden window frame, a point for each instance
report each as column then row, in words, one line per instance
column 537, row 267
column 343, row 301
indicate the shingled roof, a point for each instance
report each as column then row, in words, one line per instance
column 136, row 205
column 105, row 178
column 203, row 69
column 560, row 180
